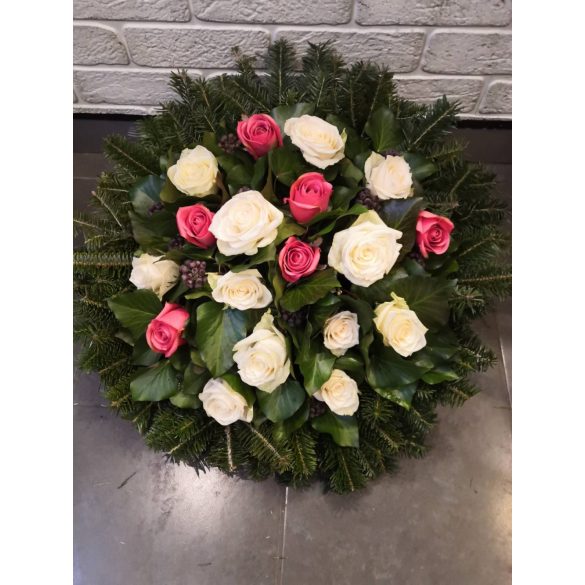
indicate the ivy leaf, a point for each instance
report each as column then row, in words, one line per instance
column 342, row 196
column 145, row 193
column 153, row 233
column 286, row 164
column 402, row 395
column 283, row 429
column 286, row 229
column 266, row 254
column 156, row 383
column 169, row 193
column 354, row 143
column 427, row 297
column 402, row 215
column 384, row 130
column 440, row 374
column 183, row 400
column 218, row 330
column 310, row 290
column 351, row 172
column 352, row 364
column 282, row 402
column 420, row 167
column 322, row 310
column 135, row 310
column 363, row 310
column 282, row 113
column 315, row 362
column 194, row 380
column 337, row 214
column 240, row 387
column 143, row 355
column 343, row 429
column 386, row 369
column 258, row 177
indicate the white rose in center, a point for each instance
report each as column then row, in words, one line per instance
column 341, row 331
column 366, row 251
column 195, row 173
column 261, row 357
column 400, row 327
column 222, row 403
column 340, row 393
column 245, row 223
column 388, row 178
column 320, row 142
column 240, row 290
column 154, row 273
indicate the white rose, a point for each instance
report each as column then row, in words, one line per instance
column 400, row 327
column 388, row 178
column 340, row 393
column 366, row 251
column 320, row 142
column 223, row 403
column 341, row 331
column 262, row 357
column 241, row 290
column 154, row 274
column 195, row 173
column 245, row 223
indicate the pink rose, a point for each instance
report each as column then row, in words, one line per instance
column 259, row 134
column 193, row 222
column 309, row 195
column 433, row 233
column 163, row 333
column 297, row 259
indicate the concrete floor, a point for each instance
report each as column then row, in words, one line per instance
column 442, row 520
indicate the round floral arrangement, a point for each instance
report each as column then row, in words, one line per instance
column 279, row 276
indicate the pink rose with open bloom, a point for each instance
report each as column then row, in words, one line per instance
column 163, row 333
column 309, row 195
column 433, row 233
column 297, row 259
column 259, row 134
column 193, row 222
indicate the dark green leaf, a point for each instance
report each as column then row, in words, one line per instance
column 282, row 430
column 336, row 215
column 194, row 380
column 352, row 364
column 383, row 129
column 402, row 215
column 169, row 193
column 343, row 429
column 342, row 196
column 143, row 355
column 354, row 143
column 182, row 400
column 440, row 374
column 389, row 370
column 362, row 309
column 427, row 297
column 209, row 140
column 259, row 176
column 286, row 164
column 322, row 310
column 282, row 113
column 420, row 167
column 402, row 395
column 155, row 383
column 350, row 171
column 282, row 402
column 286, row 229
column 218, row 330
column 240, row 387
column 315, row 363
column 153, row 233
column 145, row 193
column 309, row 290
column 135, row 310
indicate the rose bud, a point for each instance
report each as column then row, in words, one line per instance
column 163, row 333
column 298, row 259
column 259, row 134
column 433, row 233
column 309, row 195
column 193, row 223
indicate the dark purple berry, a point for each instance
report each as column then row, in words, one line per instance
column 193, row 273
column 369, row 200
column 229, row 143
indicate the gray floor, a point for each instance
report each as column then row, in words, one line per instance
column 442, row 520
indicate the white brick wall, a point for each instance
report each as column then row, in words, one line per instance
column 123, row 50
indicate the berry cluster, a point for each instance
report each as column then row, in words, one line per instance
column 369, row 200
column 296, row 319
column 193, row 273
column 229, row 143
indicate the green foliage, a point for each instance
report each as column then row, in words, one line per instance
column 286, row 439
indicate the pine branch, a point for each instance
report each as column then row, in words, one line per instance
column 131, row 157
column 281, row 76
